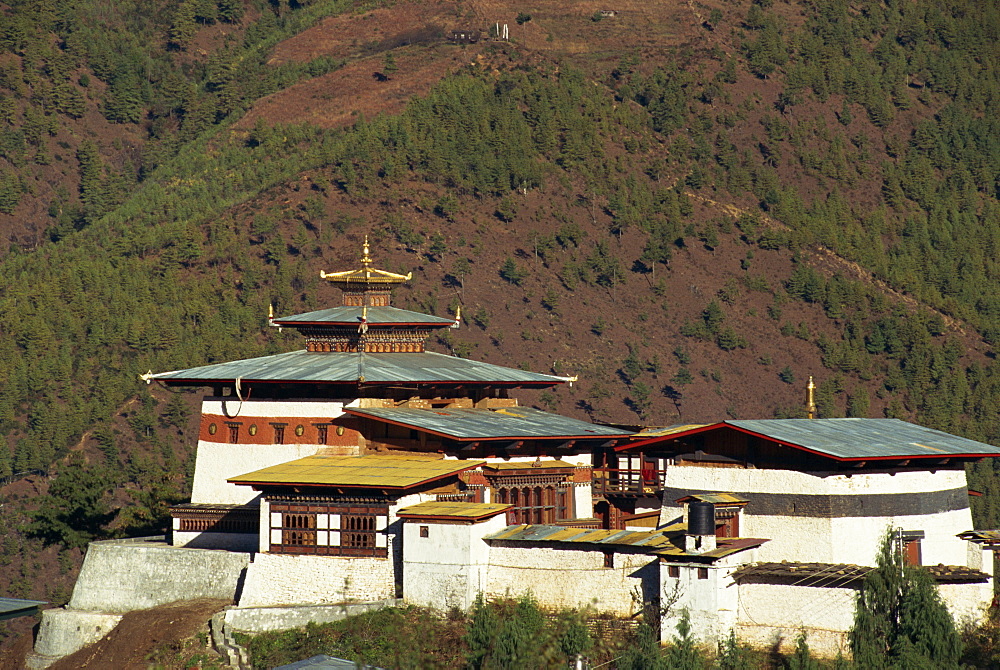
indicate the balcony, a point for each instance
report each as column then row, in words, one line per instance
column 628, row 482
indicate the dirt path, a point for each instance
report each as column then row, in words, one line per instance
column 138, row 633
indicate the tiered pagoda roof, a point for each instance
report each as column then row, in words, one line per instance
column 364, row 341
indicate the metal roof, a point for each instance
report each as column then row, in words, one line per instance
column 529, row 465
column 669, row 430
column 714, row 498
column 347, row 367
column 325, row 662
column 658, row 542
column 452, row 510
column 11, row 608
column 383, row 472
column 851, row 439
column 489, row 424
column 625, row 538
column 847, row 575
column 351, row 316
column 987, row 537
column 865, row 438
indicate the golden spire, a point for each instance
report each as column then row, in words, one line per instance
column 810, row 399
column 366, row 259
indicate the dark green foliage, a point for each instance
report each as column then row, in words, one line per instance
column 802, row 659
column 644, row 653
column 684, row 654
column 900, row 620
column 632, row 366
column 734, row 656
column 76, row 509
column 513, row 273
column 511, row 634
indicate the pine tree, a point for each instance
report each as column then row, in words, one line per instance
column 899, row 618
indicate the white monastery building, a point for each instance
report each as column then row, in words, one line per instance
column 365, row 468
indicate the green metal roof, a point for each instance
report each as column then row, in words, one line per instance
column 11, row 608
column 847, row 439
column 855, row 439
column 488, row 424
column 351, row 316
column 347, row 367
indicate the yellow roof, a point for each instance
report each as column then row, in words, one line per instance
column 395, row 472
column 453, row 510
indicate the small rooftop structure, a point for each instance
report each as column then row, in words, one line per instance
column 367, row 472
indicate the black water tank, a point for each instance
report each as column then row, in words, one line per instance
column 701, row 518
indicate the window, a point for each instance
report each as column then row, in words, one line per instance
column 702, row 573
column 425, row 531
column 234, row 432
column 609, row 559
column 673, row 571
column 909, row 541
column 298, row 529
column 321, row 432
column 279, row 432
column 358, row 531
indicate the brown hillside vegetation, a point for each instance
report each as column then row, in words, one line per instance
column 129, row 644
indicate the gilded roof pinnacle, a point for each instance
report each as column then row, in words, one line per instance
column 366, row 274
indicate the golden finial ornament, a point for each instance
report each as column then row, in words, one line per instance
column 810, row 399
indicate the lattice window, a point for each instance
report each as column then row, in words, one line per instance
column 537, row 504
column 298, row 529
column 357, row 531
column 279, row 432
column 322, row 431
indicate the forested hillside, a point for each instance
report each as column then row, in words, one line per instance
column 693, row 207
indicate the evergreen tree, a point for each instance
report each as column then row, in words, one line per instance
column 76, row 508
column 899, row 618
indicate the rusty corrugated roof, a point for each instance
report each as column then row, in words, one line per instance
column 714, row 498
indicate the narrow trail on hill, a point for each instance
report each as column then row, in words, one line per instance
column 831, row 262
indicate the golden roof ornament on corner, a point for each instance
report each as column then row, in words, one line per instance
column 366, row 274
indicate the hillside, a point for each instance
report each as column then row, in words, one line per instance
column 691, row 206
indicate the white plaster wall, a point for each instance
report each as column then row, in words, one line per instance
column 122, row 576
column 233, row 408
column 583, row 501
column 792, row 481
column 283, row 579
column 967, row 602
column 64, row 631
column 228, row 541
column 216, row 462
column 712, row 604
column 778, row 611
column 841, row 540
column 571, row 578
column 448, row 567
